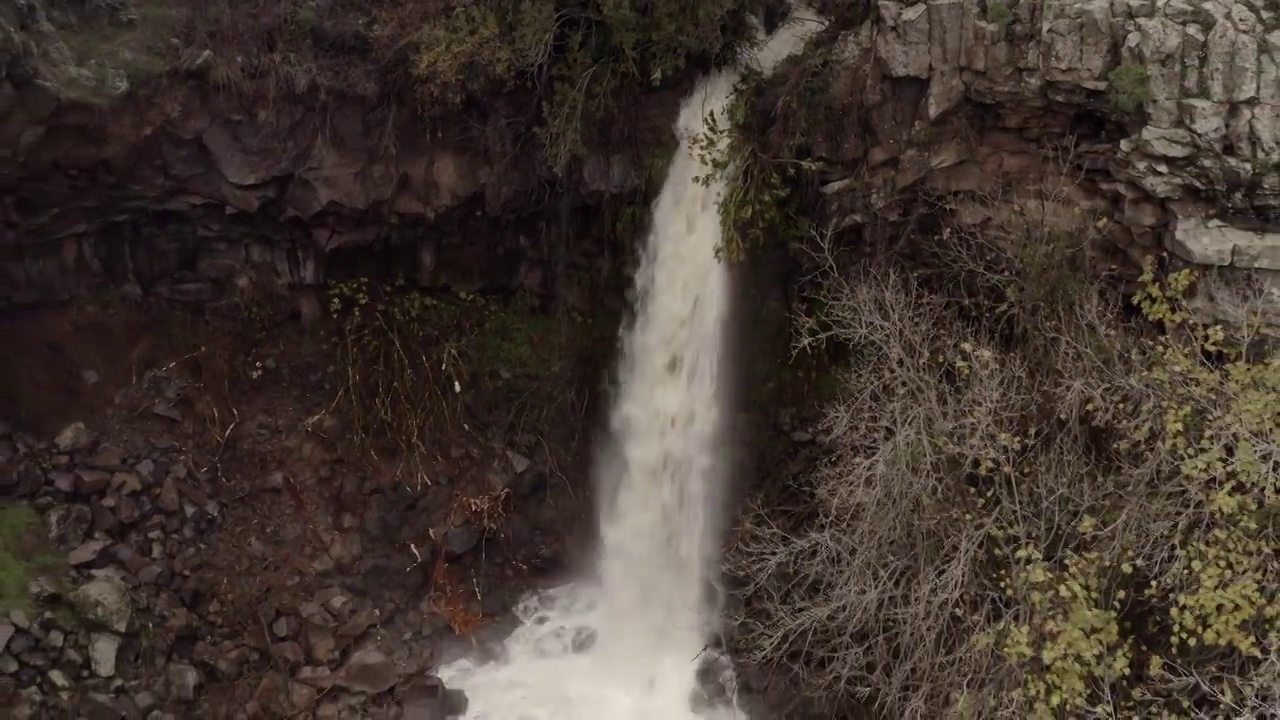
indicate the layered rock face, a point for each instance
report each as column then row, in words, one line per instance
column 166, row 185
column 177, row 186
column 1170, row 108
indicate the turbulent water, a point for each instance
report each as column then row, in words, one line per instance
column 627, row 645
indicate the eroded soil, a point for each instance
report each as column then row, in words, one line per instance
column 221, row 547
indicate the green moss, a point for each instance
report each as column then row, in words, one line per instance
column 21, row 555
column 1130, row 88
column 517, row 339
column 999, row 13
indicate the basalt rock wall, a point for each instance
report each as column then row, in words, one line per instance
column 1167, row 112
column 1160, row 116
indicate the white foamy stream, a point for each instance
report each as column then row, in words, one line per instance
column 627, row 644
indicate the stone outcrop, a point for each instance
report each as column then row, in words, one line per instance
column 85, row 177
column 1168, row 109
column 303, row 182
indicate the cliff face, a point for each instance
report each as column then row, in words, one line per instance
column 1166, row 114
column 129, row 149
column 1168, row 111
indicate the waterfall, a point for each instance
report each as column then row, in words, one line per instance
column 627, row 645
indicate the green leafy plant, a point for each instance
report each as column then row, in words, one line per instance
column 1130, row 88
column 999, row 13
column 757, row 207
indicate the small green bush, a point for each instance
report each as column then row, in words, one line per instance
column 753, row 207
column 999, row 13
column 1130, row 88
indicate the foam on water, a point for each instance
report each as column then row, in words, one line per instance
column 627, row 645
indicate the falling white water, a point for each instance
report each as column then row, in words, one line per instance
column 628, row 644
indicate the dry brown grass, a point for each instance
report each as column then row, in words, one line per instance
column 412, row 370
column 398, row 370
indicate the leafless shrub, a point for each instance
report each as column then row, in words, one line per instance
column 998, row 526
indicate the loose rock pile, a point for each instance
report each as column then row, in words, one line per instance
column 125, row 623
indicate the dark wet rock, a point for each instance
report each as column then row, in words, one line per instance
column 126, row 483
column 129, row 558
column 73, row 438
column 54, row 639
column 62, row 481
column 459, row 541
column 367, row 671
column 92, row 482
column 800, row 436
column 145, row 468
column 104, row 601
column 42, row 588
column 428, row 699
column 277, row 696
column 530, row 483
column 500, row 479
column 129, row 510
column 290, row 654
column 68, row 525
column 334, row 601
column 285, row 627
column 97, row 706
column 227, row 660
column 145, row 701
column 87, row 552
column 72, row 657
column 169, row 500
column 108, row 457
column 58, row 679
column 28, row 479
column 153, row 574
column 519, row 463
column 21, row 643
column 167, row 411
column 322, row 647
column 103, row 649
column 315, row 676
column 104, row 520
column 7, row 631
column 345, row 549
column 358, row 624
column 37, row 659
column 182, row 681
